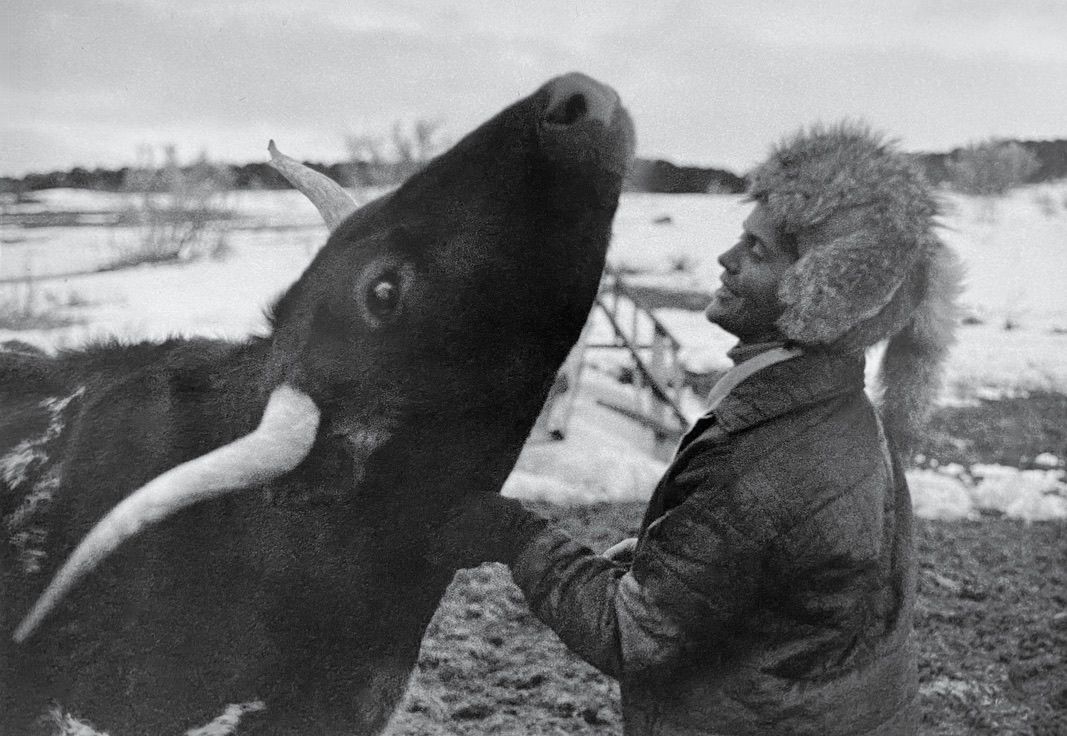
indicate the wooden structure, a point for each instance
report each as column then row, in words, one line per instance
column 658, row 375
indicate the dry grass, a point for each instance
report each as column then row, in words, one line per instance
column 25, row 306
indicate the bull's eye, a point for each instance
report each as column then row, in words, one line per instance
column 382, row 292
column 384, row 296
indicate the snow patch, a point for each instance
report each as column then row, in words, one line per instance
column 937, row 496
column 604, row 456
column 1048, row 460
column 949, row 494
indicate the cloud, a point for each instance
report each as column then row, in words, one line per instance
column 85, row 82
column 952, row 29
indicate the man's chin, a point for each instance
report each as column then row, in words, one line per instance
column 743, row 325
column 716, row 311
column 725, row 310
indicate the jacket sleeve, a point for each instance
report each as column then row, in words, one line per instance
column 695, row 572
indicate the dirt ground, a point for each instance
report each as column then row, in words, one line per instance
column 991, row 618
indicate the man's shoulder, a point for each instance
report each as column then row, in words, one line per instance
column 839, row 427
column 843, row 429
column 801, row 460
column 779, row 469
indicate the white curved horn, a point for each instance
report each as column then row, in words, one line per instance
column 281, row 441
column 329, row 197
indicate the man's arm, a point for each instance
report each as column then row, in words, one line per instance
column 694, row 574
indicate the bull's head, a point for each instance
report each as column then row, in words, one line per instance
column 444, row 303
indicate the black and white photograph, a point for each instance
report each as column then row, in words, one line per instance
column 462, row 367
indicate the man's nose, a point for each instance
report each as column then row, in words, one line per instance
column 728, row 259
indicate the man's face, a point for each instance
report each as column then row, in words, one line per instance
column 747, row 304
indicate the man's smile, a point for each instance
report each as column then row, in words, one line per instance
column 724, row 291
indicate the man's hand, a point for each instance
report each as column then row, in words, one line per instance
column 622, row 552
column 485, row 528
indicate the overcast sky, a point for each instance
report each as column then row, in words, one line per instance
column 84, row 82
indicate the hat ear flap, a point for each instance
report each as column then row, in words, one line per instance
column 839, row 284
column 913, row 361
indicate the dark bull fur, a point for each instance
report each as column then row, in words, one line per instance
column 310, row 592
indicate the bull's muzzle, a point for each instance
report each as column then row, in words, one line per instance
column 575, row 98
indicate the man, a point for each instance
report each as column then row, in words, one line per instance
column 771, row 587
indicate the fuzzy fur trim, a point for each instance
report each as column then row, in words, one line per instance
column 870, row 265
column 860, row 211
column 913, row 363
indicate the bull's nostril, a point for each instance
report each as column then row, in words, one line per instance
column 575, row 99
column 570, row 111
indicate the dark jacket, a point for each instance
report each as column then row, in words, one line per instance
column 772, row 586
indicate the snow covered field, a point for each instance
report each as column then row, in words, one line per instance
column 1015, row 338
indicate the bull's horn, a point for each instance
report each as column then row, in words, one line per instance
column 281, row 441
column 329, row 197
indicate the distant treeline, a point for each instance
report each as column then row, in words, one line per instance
column 664, row 177
column 647, row 176
column 1051, row 158
column 243, row 176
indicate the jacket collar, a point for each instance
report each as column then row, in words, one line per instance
column 746, row 367
column 743, row 351
column 810, row 377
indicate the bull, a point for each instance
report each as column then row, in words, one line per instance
column 194, row 523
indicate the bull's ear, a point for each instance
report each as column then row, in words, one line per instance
column 329, row 197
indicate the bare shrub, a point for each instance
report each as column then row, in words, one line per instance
column 991, row 168
column 718, row 187
column 416, row 144
column 377, row 159
column 366, row 160
column 24, row 306
column 1046, row 204
column 180, row 212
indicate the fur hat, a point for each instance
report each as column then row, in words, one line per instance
column 870, row 265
